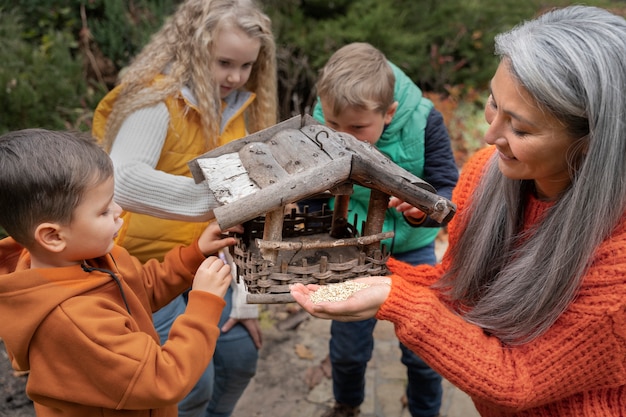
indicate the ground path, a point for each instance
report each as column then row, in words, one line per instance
column 293, row 376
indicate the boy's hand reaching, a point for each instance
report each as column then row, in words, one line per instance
column 412, row 213
column 212, row 276
column 212, row 240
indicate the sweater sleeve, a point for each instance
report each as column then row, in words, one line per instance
column 161, row 281
column 440, row 168
column 141, row 188
column 582, row 352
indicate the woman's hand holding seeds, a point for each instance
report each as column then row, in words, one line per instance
column 352, row 300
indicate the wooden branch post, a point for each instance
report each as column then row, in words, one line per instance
column 340, row 217
column 378, row 204
column 273, row 231
column 339, row 226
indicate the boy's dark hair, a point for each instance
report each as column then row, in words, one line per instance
column 43, row 177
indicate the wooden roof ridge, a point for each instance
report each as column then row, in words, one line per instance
column 297, row 159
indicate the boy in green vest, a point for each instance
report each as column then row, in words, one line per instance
column 363, row 94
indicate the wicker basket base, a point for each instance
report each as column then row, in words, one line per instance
column 269, row 282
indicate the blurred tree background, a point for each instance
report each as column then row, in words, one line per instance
column 59, row 57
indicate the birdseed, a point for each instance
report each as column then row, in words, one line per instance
column 337, row 292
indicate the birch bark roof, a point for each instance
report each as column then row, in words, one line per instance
column 297, row 159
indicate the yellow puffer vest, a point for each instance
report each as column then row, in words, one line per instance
column 146, row 236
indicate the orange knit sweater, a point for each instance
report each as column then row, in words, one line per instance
column 577, row 368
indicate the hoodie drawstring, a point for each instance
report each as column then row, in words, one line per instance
column 88, row 268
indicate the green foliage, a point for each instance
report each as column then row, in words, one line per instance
column 55, row 53
column 41, row 18
column 439, row 44
column 121, row 28
column 468, row 126
column 41, row 82
column 61, row 56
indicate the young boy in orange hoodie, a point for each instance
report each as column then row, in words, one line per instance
column 77, row 309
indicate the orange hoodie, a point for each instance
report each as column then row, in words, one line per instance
column 577, row 368
column 85, row 332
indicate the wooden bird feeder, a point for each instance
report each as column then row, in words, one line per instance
column 257, row 181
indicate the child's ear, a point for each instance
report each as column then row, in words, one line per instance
column 391, row 111
column 49, row 237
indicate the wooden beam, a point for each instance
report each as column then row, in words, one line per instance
column 319, row 244
column 376, row 210
column 278, row 195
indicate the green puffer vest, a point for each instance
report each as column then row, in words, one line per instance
column 403, row 142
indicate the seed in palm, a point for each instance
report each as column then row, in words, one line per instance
column 337, row 292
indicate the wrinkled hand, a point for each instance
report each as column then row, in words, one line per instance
column 252, row 326
column 361, row 305
column 408, row 210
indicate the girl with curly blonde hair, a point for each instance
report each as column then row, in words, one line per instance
column 206, row 78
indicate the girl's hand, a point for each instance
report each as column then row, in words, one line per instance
column 212, row 239
column 212, row 276
column 361, row 305
column 253, row 326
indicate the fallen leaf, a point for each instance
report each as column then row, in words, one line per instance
column 304, row 352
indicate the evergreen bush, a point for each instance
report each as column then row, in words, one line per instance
column 121, row 28
column 439, row 44
column 446, row 47
column 41, row 83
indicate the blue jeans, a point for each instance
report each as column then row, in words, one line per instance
column 227, row 376
column 351, row 345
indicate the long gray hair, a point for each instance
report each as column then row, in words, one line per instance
column 515, row 285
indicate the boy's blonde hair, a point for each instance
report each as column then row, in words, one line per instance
column 182, row 50
column 357, row 76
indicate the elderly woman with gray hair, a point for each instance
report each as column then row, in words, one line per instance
column 527, row 310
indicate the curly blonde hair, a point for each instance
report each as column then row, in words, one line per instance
column 182, row 52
